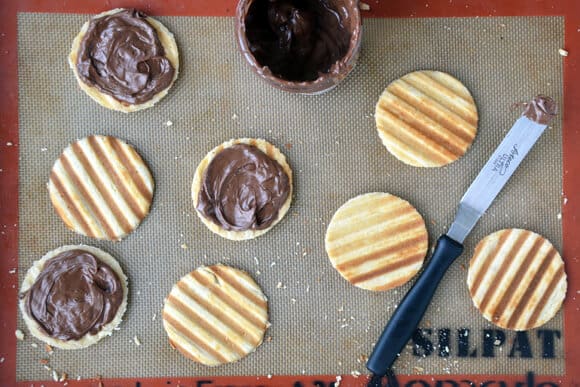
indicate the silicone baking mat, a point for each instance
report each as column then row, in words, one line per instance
column 321, row 325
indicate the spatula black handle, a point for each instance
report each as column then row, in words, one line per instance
column 411, row 310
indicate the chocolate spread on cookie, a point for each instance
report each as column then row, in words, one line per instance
column 243, row 189
column 298, row 40
column 74, row 294
column 121, row 56
column 541, row 109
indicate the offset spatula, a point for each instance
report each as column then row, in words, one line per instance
column 490, row 180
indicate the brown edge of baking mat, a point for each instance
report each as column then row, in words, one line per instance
column 9, row 175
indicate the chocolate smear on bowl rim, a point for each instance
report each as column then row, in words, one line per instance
column 299, row 46
column 296, row 40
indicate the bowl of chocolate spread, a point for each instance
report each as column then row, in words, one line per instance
column 301, row 46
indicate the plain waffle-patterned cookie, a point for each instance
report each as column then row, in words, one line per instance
column 377, row 241
column 215, row 315
column 516, row 279
column 426, row 118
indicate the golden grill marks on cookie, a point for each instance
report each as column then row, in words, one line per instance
column 216, row 315
column 377, row 241
column 426, row 119
column 101, row 187
column 516, row 279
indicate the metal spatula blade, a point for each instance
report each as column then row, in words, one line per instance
column 494, row 175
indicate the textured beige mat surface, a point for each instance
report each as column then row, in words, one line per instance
column 320, row 323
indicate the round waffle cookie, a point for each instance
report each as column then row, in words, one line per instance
column 101, row 188
column 516, row 279
column 217, row 224
column 64, row 310
column 107, row 100
column 426, row 118
column 215, row 315
column 377, row 241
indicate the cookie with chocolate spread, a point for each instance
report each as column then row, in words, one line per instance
column 516, row 279
column 242, row 188
column 124, row 60
column 100, row 187
column 73, row 296
column 377, row 241
column 215, row 315
column 426, row 118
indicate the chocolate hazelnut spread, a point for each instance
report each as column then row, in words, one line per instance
column 121, row 56
column 243, row 189
column 541, row 109
column 74, row 294
column 298, row 40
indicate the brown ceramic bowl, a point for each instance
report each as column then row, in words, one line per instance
column 349, row 15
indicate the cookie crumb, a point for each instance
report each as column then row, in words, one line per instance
column 55, row 376
column 48, row 349
column 418, row 370
column 234, row 116
column 279, row 285
column 168, row 123
column 136, row 340
column 183, row 246
column 34, row 345
column 355, row 373
column 364, row 7
column 338, row 380
column 563, row 52
column 19, row 334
